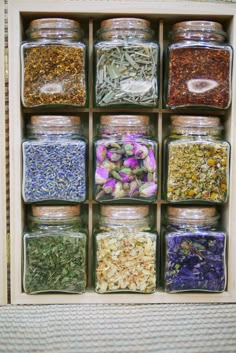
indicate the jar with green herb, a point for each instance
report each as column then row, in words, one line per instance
column 125, row 245
column 127, row 62
column 196, row 161
column 198, row 66
column 194, row 250
column 54, row 160
column 55, row 251
column 53, row 64
column 125, row 156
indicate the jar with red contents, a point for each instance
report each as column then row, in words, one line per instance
column 199, row 65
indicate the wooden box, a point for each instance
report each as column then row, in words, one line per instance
column 90, row 13
column 3, row 231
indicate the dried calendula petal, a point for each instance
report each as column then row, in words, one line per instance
column 125, row 261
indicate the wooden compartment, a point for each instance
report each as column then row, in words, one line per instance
column 3, row 230
column 90, row 13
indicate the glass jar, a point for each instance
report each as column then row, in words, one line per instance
column 195, row 250
column 55, row 251
column 125, row 160
column 196, row 161
column 199, row 65
column 125, row 250
column 127, row 60
column 54, row 160
column 53, row 64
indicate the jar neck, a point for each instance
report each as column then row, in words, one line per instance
column 60, row 131
column 198, row 31
column 125, row 34
column 64, row 223
column 110, row 223
column 213, row 132
column 132, row 131
column 55, row 34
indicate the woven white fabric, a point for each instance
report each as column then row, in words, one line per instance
column 192, row 328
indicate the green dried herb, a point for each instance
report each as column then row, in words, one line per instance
column 126, row 74
column 198, row 171
column 54, row 74
column 54, row 263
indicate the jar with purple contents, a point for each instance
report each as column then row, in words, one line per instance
column 194, row 251
column 54, row 160
column 125, row 158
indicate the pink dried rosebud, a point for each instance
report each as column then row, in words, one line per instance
column 113, row 156
column 109, row 186
column 134, row 187
column 148, row 189
column 131, row 162
column 101, row 153
column 140, row 151
column 150, row 161
column 125, row 178
column 108, row 165
column 101, row 175
column 118, row 192
column 129, row 149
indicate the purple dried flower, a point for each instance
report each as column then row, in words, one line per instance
column 109, row 186
column 150, row 161
column 140, row 151
column 134, row 187
column 148, row 189
column 113, row 156
column 118, row 192
column 131, row 162
column 101, row 175
column 101, row 153
column 126, row 175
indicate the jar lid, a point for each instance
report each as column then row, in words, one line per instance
column 125, row 22
column 124, row 120
column 125, row 212
column 195, row 121
column 191, row 213
column 56, row 211
column 48, row 23
column 198, row 25
column 54, row 120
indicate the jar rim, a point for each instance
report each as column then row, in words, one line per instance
column 54, row 120
column 125, row 22
column 198, row 25
column 124, row 212
column 191, row 213
column 57, row 212
column 195, row 121
column 124, row 120
column 53, row 23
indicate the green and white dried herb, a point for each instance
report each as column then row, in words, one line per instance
column 54, row 263
column 126, row 74
column 197, row 171
column 125, row 261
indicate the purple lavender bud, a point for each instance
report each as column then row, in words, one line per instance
column 101, row 175
column 101, row 153
column 131, row 162
column 109, row 186
column 113, row 156
column 150, row 162
column 140, row 151
column 148, row 189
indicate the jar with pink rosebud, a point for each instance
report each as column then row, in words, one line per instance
column 125, row 156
